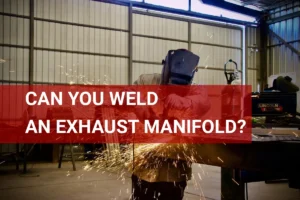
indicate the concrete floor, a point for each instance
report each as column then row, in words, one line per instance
column 45, row 181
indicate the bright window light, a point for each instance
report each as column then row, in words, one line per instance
column 199, row 6
column 235, row 2
column 253, row 8
column 178, row 4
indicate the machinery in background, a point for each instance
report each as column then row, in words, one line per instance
column 275, row 107
column 232, row 77
column 277, row 104
column 231, row 96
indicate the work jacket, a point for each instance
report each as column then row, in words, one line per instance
column 155, row 168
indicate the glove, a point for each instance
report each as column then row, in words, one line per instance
column 144, row 112
column 176, row 102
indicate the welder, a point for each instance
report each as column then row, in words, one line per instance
column 168, row 181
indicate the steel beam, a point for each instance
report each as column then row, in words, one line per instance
column 80, row 52
column 280, row 44
column 159, row 38
column 16, row 82
column 218, row 45
column 130, row 44
column 176, row 11
column 263, row 54
column 233, row 7
column 186, row 19
column 246, row 54
column 31, row 42
column 284, row 42
column 14, row 15
column 14, row 46
column 78, row 24
column 284, row 17
column 189, row 36
column 147, row 62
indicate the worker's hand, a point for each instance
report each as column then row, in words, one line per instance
column 176, row 102
column 144, row 113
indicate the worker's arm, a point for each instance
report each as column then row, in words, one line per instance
column 144, row 112
column 197, row 102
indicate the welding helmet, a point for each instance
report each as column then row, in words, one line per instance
column 179, row 67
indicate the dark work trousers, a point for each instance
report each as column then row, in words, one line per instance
column 143, row 190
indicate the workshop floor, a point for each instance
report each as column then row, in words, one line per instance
column 46, row 181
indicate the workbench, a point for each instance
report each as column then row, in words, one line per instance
column 272, row 152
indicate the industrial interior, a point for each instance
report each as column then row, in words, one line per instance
column 113, row 42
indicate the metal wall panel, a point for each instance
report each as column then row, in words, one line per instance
column 14, row 64
column 160, row 27
column 78, row 38
column 281, row 58
column 252, row 79
column 216, row 35
column 18, row 7
column 216, row 57
column 14, row 30
column 56, row 67
column 253, row 56
column 65, row 44
column 150, row 45
column 209, row 77
column 83, row 12
column 153, row 50
column 253, row 37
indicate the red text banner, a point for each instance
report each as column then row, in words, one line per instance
column 125, row 114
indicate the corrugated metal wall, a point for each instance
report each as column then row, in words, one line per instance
column 80, row 42
column 280, row 58
column 253, row 57
column 14, row 47
column 155, row 35
column 152, row 38
column 87, row 42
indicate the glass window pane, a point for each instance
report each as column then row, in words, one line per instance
column 178, row 4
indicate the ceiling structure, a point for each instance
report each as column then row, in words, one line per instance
column 263, row 4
